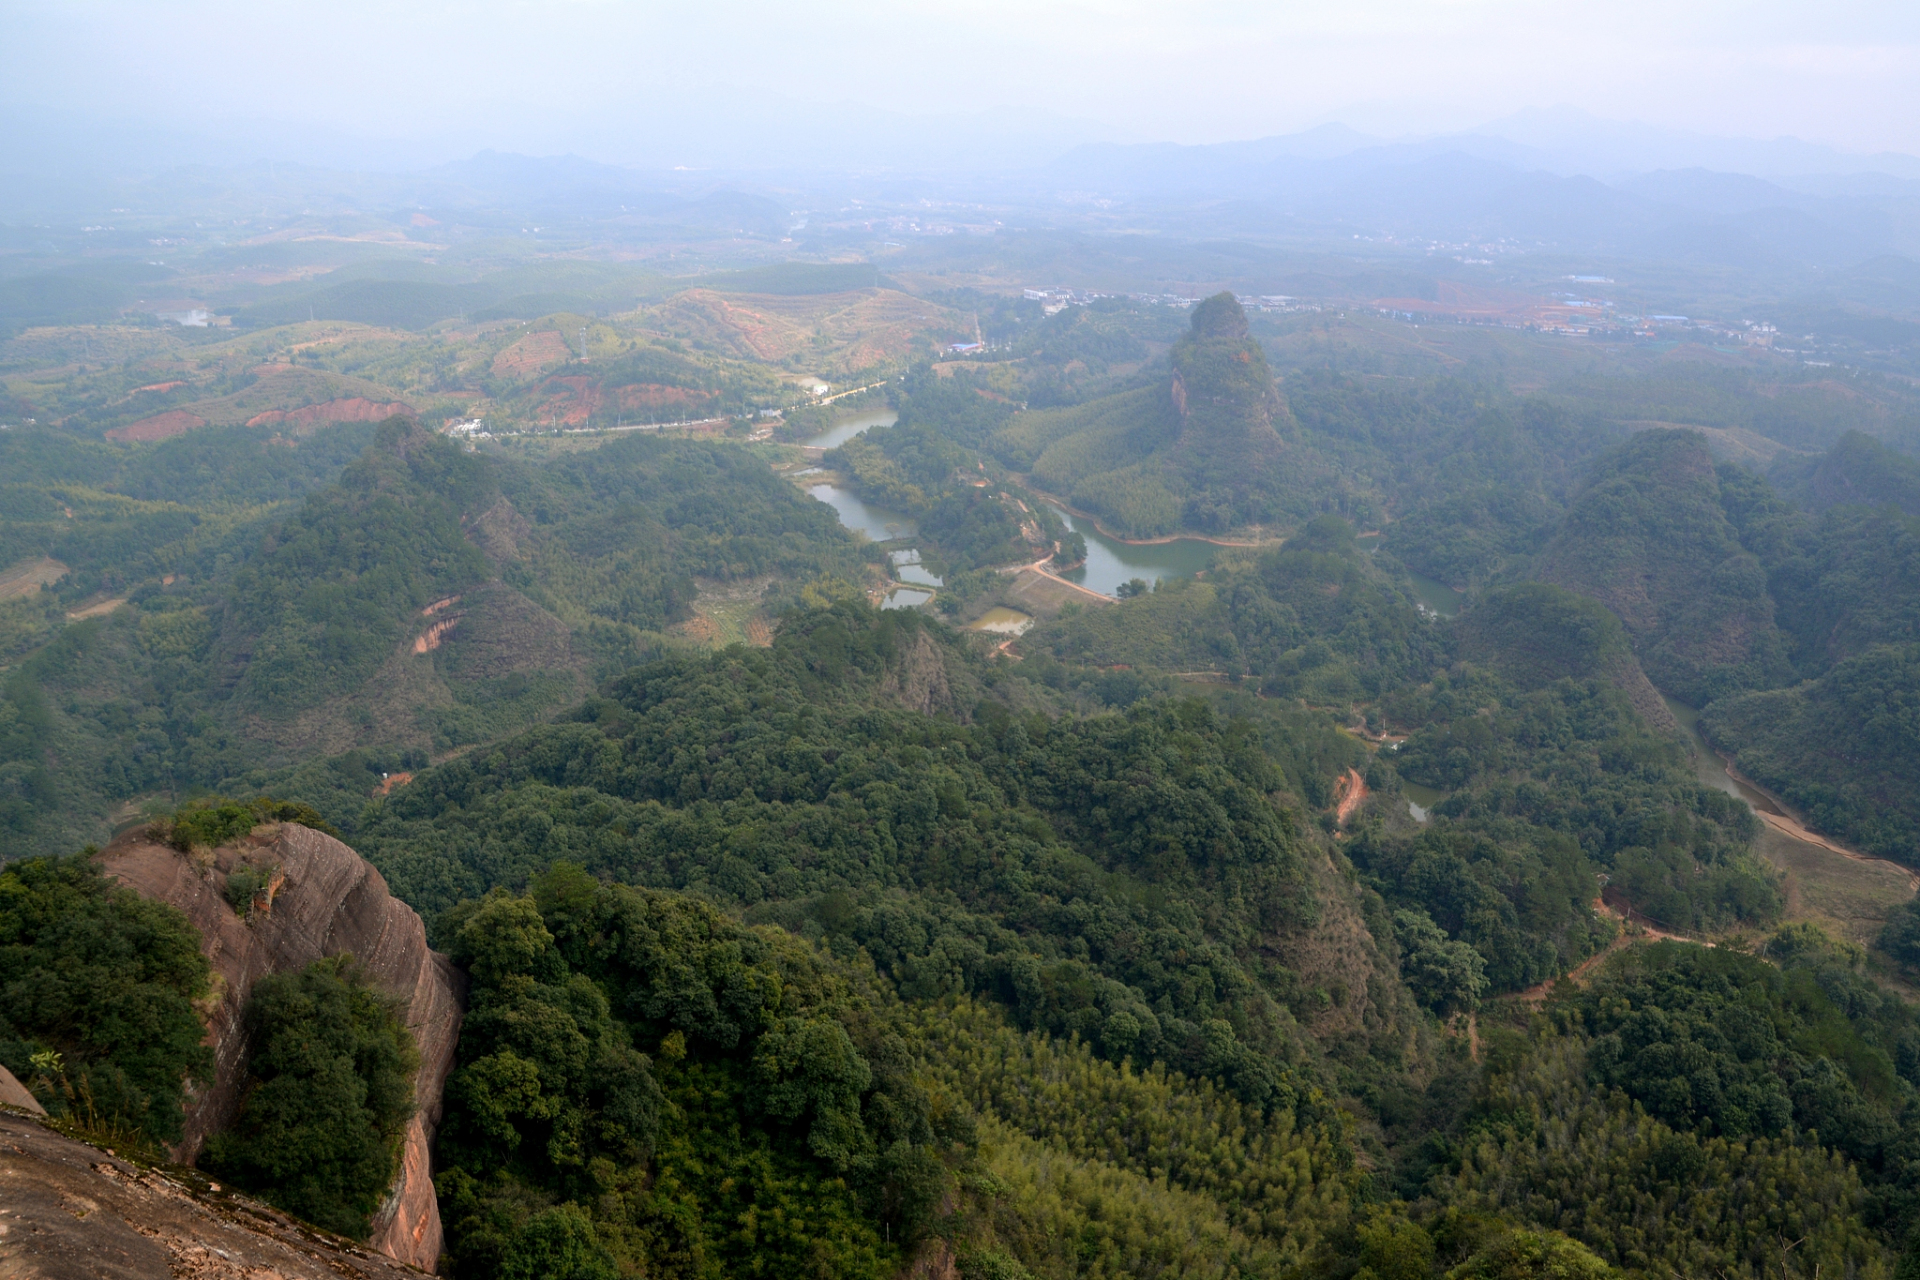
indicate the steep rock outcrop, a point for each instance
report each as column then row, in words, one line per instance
column 15, row 1094
column 325, row 900
column 74, row 1212
column 917, row 679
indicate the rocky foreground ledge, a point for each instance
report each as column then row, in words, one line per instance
column 321, row 899
column 69, row 1211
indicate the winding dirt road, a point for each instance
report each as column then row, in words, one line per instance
column 1348, row 795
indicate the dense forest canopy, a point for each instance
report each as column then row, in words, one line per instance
column 1292, row 917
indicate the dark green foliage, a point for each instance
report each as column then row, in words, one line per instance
column 963, row 410
column 244, row 884
column 1443, row 974
column 160, row 695
column 105, row 981
column 1649, row 538
column 914, row 468
column 334, row 589
column 329, row 1092
column 139, row 512
column 777, row 1130
column 1532, row 1255
column 1073, row 551
column 1314, row 618
column 212, row 823
column 1534, row 634
column 1842, row 749
column 1727, row 1059
column 1843, row 581
column 1571, row 772
column 1032, row 860
column 1476, row 536
column 1857, row 470
column 1567, row 1130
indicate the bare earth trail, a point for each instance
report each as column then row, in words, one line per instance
column 1641, row 932
column 1778, row 817
column 1039, row 567
column 1348, row 795
column 1849, row 893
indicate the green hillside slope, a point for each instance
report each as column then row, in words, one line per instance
column 1648, row 538
column 425, row 600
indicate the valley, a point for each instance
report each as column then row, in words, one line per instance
column 1166, row 792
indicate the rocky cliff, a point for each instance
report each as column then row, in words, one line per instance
column 320, row 899
column 69, row 1211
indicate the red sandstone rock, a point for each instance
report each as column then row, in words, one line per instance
column 326, row 900
column 69, row 1211
column 15, row 1094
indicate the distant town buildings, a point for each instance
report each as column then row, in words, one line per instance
column 193, row 318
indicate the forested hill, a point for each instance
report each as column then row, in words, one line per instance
column 1648, row 537
column 416, row 599
column 1056, row 901
column 1209, row 443
column 1790, row 627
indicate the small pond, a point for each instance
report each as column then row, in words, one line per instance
column 1437, row 596
column 1111, row 562
column 907, row 568
column 1420, row 800
column 841, row 432
column 1001, row 621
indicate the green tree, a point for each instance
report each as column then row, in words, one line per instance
column 1533, row 1255
column 329, row 1093
column 98, row 984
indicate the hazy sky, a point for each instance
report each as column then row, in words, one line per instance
column 584, row 74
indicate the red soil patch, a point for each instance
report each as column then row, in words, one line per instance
column 392, row 780
column 350, row 409
column 572, row 400
column 159, row 386
column 434, row 634
column 1348, row 795
column 532, row 354
column 438, row 605
column 162, row 426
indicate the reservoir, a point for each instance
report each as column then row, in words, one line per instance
column 877, row 523
column 841, row 432
column 1111, row 562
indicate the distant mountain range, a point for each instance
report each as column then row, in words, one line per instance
column 1578, row 184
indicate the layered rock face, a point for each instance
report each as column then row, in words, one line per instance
column 74, row 1212
column 321, row 900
